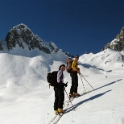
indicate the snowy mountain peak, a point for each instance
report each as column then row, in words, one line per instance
column 22, row 36
column 21, row 25
column 117, row 43
column 20, row 40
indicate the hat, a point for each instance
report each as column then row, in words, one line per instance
column 77, row 56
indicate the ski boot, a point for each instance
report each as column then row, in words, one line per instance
column 76, row 94
column 60, row 110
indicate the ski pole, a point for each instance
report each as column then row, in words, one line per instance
column 86, row 81
column 82, row 83
column 69, row 99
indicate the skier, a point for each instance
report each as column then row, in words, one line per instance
column 74, row 77
column 59, row 91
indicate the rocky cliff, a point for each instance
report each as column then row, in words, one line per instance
column 117, row 43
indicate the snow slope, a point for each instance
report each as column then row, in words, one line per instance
column 26, row 99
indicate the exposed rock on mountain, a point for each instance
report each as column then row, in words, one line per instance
column 22, row 36
column 117, row 43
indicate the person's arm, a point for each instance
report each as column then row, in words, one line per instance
column 59, row 76
column 74, row 66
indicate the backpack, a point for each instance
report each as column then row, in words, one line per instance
column 69, row 64
column 52, row 78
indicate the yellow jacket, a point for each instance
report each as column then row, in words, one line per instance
column 74, row 66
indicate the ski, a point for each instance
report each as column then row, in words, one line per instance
column 56, row 121
column 53, row 118
column 86, row 92
column 56, row 118
column 83, row 94
column 59, row 117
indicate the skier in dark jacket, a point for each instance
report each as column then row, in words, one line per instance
column 59, row 91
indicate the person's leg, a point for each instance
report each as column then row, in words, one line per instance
column 61, row 100
column 72, row 83
column 75, row 78
column 56, row 99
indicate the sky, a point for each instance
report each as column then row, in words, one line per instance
column 76, row 26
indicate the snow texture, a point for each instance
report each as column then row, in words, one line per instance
column 25, row 97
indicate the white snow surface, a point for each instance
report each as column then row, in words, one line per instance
column 25, row 97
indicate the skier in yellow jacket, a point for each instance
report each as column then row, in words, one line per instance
column 74, row 77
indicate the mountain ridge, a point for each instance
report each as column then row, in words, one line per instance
column 22, row 37
column 117, row 43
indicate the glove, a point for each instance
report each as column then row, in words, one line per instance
column 66, row 84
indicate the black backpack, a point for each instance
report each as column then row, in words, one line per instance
column 52, row 78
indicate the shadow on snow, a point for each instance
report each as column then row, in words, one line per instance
column 103, row 86
column 86, row 100
column 93, row 97
column 107, row 84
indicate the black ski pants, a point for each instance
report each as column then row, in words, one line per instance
column 74, row 83
column 59, row 98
